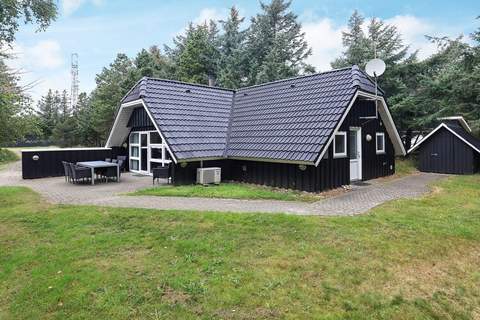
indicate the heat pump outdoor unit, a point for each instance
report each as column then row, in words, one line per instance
column 209, row 175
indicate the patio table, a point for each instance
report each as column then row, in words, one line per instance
column 99, row 164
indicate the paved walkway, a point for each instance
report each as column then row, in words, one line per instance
column 359, row 200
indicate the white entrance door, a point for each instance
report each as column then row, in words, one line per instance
column 355, row 152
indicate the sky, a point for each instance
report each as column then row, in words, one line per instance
column 100, row 29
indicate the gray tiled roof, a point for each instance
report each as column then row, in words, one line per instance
column 193, row 119
column 286, row 120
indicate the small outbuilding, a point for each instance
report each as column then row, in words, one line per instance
column 449, row 148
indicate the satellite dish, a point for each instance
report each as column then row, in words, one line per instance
column 375, row 67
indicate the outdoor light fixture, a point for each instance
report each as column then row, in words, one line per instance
column 368, row 137
column 183, row 164
column 35, row 158
column 302, row 167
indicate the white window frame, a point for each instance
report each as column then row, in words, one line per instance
column 377, row 135
column 162, row 146
column 130, row 145
column 344, row 137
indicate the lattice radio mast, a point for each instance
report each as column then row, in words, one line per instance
column 75, row 81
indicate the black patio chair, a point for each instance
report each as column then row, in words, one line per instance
column 80, row 173
column 161, row 173
column 121, row 166
column 66, row 169
column 110, row 172
column 124, row 162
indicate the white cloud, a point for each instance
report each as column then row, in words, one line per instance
column 70, row 6
column 208, row 14
column 44, row 58
column 325, row 39
column 45, row 54
column 413, row 30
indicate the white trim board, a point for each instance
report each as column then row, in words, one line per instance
column 459, row 119
column 442, row 125
column 132, row 104
column 384, row 113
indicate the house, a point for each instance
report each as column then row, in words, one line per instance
column 311, row 133
column 449, row 148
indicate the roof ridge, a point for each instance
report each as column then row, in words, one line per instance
column 294, row 78
column 247, row 87
column 133, row 87
column 229, row 129
column 190, row 84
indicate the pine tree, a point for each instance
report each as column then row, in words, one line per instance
column 48, row 113
column 197, row 59
column 152, row 63
column 232, row 60
column 355, row 44
column 15, row 114
column 112, row 84
column 276, row 45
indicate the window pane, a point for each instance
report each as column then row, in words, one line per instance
column 353, row 144
column 380, row 143
column 155, row 138
column 134, row 151
column 134, row 138
column 144, row 139
column 156, row 153
column 133, row 164
column 144, row 159
column 339, row 144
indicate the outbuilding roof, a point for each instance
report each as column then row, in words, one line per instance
column 458, row 127
column 285, row 120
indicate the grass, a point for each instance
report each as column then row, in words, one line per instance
column 230, row 190
column 408, row 259
column 404, row 167
column 7, row 156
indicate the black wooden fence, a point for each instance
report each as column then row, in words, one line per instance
column 43, row 163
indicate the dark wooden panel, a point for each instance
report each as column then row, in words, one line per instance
column 140, row 121
column 373, row 165
column 49, row 163
column 445, row 153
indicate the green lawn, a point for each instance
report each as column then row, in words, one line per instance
column 408, row 259
column 230, row 190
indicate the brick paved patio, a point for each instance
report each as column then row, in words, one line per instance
column 359, row 200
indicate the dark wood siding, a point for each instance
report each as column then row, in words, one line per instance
column 49, row 163
column 330, row 173
column 188, row 174
column 373, row 165
column 443, row 152
column 140, row 121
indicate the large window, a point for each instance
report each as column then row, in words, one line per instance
column 134, row 151
column 380, row 142
column 147, row 151
column 340, row 145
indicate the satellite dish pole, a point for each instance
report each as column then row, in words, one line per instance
column 375, row 68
